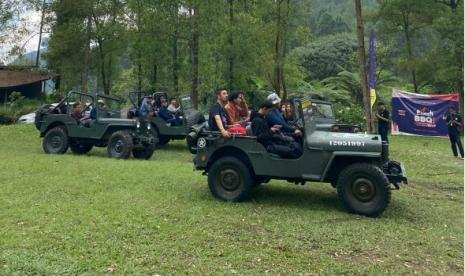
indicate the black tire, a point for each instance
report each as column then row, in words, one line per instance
column 196, row 117
column 191, row 143
column 143, row 153
column 364, row 189
column 77, row 148
column 120, row 145
column 56, row 141
column 229, row 179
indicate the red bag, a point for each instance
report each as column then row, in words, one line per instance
column 241, row 131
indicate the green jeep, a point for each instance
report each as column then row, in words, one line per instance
column 121, row 136
column 356, row 164
column 163, row 131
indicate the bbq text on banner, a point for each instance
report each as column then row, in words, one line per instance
column 419, row 114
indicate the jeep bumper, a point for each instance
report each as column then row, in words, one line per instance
column 395, row 172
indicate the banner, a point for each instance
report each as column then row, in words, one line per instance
column 419, row 114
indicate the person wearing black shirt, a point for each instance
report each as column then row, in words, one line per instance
column 383, row 121
column 217, row 120
column 271, row 138
column 454, row 123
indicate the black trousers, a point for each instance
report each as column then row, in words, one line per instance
column 455, row 142
column 383, row 131
column 291, row 151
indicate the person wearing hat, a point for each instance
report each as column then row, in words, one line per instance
column 454, row 123
column 275, row 119
column 147, row 107
column 93, row 112
column 271, row 138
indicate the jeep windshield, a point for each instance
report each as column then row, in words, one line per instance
column 314, row 112
column 109, row 107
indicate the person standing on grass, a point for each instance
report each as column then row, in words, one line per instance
column 454, row 125
column 218, row 120
column 383, row 121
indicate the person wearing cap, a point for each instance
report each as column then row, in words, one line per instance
column 271, row 138
column 147, row 108
column 166, row 115
column 237, row 108
column 276, row 119
column 218, row 120
column 454, row 123
column 93, row 112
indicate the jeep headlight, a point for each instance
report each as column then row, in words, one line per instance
column 138, row 124
column 149, row 126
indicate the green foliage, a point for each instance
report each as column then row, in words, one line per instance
column 16, row 99
column 323, row 57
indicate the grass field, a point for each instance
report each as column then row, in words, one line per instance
column 94, row 215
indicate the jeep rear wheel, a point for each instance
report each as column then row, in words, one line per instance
column 143, row 153
column 229, row 179
column 364, row 189
column 120, row 145
column 55, row 141
column 77, row 148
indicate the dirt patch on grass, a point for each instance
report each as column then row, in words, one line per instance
column 438, row 187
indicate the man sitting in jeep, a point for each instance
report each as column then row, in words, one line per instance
column 217, row 120
column 271, row 138
column 78, row 117
column 146, row 108
column 166, row 115
column 275, row 117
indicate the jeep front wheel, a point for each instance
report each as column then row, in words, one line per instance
column 120, row 145
column 55, row 141
column 229, row 179
column 143, row 153
column 364, row 189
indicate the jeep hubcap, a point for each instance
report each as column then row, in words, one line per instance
column 119, row 146
column 363, row 189
column 229, row 179
column 55, row 142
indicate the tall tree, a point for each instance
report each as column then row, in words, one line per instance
column 362, row 65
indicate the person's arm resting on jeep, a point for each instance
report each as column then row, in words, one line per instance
column 275, row 118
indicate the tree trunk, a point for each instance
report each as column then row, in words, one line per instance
column 231, row 43
column 139, row 70
column 195, row 57
column 175, row 63
column 154, row 77
column 277, row 54
column 408, row 41
column 102, row 64
column 85, row 65
column 362, row 65
column 40, row 33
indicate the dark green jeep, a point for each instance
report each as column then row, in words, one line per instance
column 105, row 128
column 356, row 164
column 162, row 130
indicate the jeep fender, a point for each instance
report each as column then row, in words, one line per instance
column 339, row 160
column 230, row 151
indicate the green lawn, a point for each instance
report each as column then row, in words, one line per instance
column 94, row 215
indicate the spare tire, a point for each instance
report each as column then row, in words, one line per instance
column 195, row 117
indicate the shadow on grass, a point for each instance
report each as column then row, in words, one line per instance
column 297, row 198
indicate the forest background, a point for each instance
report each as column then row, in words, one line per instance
column 293, row 47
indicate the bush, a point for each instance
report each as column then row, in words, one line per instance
column 10, row 112
column 352, row 114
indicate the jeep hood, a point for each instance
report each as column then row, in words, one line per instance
column 339, row 141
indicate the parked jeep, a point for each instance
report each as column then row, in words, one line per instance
column 121, row 136
column 161, row 129
column 356, row 164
